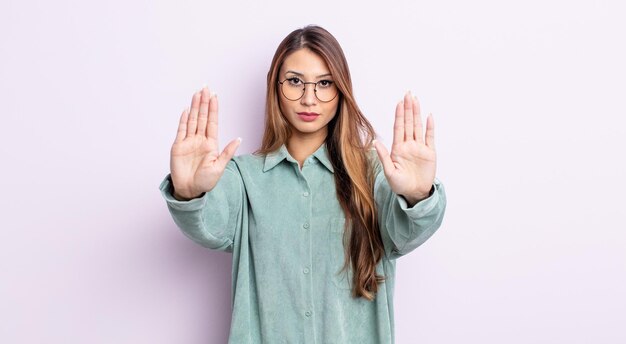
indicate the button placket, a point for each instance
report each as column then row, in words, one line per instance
column 307, row 259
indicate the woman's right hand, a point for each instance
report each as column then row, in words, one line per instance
column 195, row 162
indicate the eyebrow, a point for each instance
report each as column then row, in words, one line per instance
column 300, row 74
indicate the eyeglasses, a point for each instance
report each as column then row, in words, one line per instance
column 293, row 89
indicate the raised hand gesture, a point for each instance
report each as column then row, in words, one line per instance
column 195, row 161
column 411, row 166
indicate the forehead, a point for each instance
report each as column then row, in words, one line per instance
column 305, row 62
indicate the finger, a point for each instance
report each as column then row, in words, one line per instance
column 204, row 111
column 408, row 117
column 212, row 125
column 419, row 133
column 430, row 131
column 398, row 125
column 192, row 123
column 229, row 151
column 182, row 126
column 385, row 158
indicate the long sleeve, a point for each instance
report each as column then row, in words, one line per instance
column 403, row 229
column 212, row 219
column 283, row 222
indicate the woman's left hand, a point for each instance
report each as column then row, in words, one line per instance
column 410, row 168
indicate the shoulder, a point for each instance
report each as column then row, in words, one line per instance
column 248, row 162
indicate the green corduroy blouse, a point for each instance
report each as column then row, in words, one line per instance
column 284, row 226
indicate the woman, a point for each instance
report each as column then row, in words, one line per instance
column 315, row 218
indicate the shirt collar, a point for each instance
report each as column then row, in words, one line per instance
column 272, row 159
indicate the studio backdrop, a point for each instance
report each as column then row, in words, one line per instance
column 528, row 101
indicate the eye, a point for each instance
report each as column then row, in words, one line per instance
column 294, row 81
column 325, row 83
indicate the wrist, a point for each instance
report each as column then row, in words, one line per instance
column 180, row 197
column 183, row 195
column 412, row 200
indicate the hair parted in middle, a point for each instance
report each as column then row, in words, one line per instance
column 348, row 141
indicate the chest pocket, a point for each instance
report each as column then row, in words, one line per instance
column 341, row 279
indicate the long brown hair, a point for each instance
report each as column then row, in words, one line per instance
column 349, row 137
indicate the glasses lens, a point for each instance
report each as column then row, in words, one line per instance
column 326, row 90
column 292, row 89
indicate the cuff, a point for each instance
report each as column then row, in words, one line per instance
column 166, row 188
column 424, row 206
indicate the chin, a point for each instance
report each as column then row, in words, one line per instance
column 305, row 130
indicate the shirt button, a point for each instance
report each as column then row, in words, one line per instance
column 305, row 194
column 305, row 225
column 308, row 313
column 306, row 270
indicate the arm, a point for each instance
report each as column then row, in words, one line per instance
column 408, row 174
column 404, row 228
column 213, row 219
column 209, row 189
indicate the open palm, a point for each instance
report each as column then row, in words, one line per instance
column 195, row 161
column 410, row 168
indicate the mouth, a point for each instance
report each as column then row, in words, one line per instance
column 308, row 116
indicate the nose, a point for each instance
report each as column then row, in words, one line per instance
column 308, row 98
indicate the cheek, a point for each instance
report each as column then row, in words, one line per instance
column 282, row 106
column 333, row 109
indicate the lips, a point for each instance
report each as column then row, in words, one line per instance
column 308, row 116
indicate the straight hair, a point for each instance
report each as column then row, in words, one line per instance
column 348, row 141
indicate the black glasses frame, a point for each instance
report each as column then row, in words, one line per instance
column 304, row 90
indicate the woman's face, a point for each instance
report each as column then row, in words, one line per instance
column 306, row 66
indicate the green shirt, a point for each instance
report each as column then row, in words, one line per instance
column 284, row 227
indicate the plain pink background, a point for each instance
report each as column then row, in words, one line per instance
column 528, row 100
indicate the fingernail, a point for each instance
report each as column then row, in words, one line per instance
column 240, row 139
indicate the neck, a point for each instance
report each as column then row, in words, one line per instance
column 301, row 147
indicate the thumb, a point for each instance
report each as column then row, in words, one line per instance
column 229, row 151
column 383, row 155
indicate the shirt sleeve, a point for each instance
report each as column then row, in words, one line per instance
column 213, row 219
column 403, row 229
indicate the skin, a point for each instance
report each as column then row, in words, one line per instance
column 196, row 163
column 411, row 166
